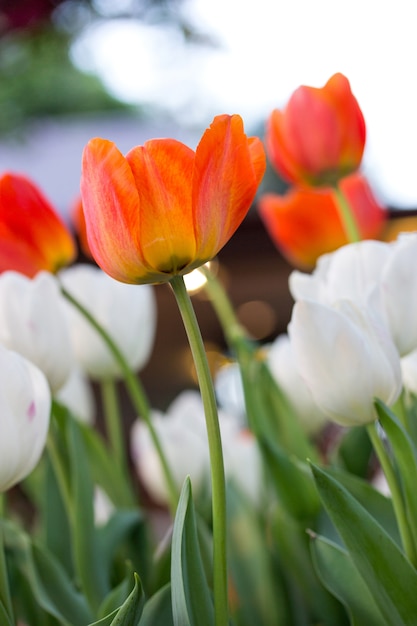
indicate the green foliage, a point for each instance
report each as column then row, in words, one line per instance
column 38, row 79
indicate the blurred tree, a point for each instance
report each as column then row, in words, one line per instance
column 37, row 77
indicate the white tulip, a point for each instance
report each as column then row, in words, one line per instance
column 229, row 391
column 409, row 372
column 126, row 312
column 25, row 403
column 33, row 323
column 182, row 434
column 283, row 366
column 347, row 359
column 373, row 274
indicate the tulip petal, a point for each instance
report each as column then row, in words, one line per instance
column 305, row 223
column 112, row 213
column 162, row 170
column 228, row 170
column 32, row 235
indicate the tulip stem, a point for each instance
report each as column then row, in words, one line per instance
column 136, row 393
column 215, row 449
column 346, row 215
column 5, row 598
column 396, row 495
column 113, row 421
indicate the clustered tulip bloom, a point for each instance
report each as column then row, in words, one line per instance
column 305, row 223
column 126, row 312
column 319, row 137
column 25, row 402
column 164, row 209
column 32, row 235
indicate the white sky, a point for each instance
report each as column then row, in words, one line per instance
column 266, row 50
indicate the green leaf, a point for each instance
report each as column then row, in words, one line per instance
column 390, row 577
column 292, row 481
column 258, row 594
column 405, row 455
column 114, row 536
column 306, row 592
column 354, row 451
column 342, row 579
column 105, row 472
column 377, row 505
column 4, row 616
column 191, row 600
column 130, row 612
column 158, row 609
column 115, row 598
column 50, row 584
column 91, row 570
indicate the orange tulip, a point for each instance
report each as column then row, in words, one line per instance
column 164, row 209
column 320, row 135
column 305, row 223
column 32, row 235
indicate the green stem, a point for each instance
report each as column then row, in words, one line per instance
column 396, row 495
column 234, row 332
column 346, row 214
column 113, row 421
column 5, row 597
column 136, row 393
column 215, row 449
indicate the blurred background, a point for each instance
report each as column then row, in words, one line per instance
column 130, row 70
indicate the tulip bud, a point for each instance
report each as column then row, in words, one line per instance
column 25, row 403
column 319, row 137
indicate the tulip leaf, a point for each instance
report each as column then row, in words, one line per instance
column 89, row 565
column 48, row 581
column 354, row 451
column 340, row 576
column 405, row 455
column 131, row 610
column 377, row 505
column 105, row 472
column 258, row 595
column 306, row 590
column 4, row 616
column 158, row 609
column 390, row 577
column 191, row 600
column 292, row 481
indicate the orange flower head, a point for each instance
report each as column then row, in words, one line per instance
column 33, row 237
column 320, row 135
column 305, row 223
column 164, row 209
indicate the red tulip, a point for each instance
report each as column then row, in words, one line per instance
column 305, row 223
column 320, row 135
column 164, row 209
column 32, row 235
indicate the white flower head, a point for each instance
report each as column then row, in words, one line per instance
column 347, row 359
column 33, row 323
column 25, row 403
column 126, row 312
